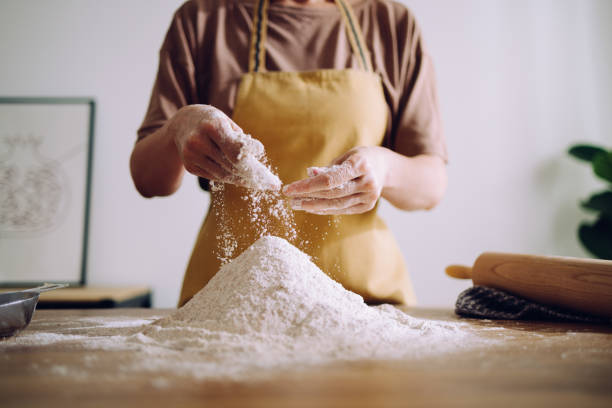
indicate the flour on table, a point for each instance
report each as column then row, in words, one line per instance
column 269, row 308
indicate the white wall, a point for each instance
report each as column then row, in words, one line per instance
column 519, row 82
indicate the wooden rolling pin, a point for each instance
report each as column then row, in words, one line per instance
column 571, row 283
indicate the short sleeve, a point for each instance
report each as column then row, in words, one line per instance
column 416, row 125
column 175, row 84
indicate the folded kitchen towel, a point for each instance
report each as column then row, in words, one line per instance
column 488, row 303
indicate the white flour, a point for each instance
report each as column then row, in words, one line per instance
column 270, row 307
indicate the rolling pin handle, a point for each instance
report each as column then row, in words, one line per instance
column 459, row 271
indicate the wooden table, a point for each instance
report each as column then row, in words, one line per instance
column 540, row 365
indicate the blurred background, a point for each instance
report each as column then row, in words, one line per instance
column 519, row 82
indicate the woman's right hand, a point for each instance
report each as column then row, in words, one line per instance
column 210, row 144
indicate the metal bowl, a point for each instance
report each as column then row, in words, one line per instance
column 16, row 310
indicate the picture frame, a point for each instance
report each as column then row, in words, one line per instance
column 46, row 153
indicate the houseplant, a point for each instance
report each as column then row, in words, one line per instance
column 596, row 237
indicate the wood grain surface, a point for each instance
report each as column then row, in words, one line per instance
column 537, row 365
column 572, row 283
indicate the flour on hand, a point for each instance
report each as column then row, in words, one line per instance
column 252, row 170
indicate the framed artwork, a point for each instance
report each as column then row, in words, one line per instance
column 45, row 183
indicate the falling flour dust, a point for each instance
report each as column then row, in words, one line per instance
column 269, row 308
column 267, row 210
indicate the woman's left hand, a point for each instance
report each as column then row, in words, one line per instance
column 352, row 185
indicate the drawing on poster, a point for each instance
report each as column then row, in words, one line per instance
column 34, row 190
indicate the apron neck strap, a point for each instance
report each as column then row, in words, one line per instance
column 257, row 52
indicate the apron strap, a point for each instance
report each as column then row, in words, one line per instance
column 355, row 35
column 257, row 52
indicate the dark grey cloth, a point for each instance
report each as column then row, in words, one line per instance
column 488, row 303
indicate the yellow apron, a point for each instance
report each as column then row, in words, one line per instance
column 308, row 119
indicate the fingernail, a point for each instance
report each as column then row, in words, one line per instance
column 286, row 189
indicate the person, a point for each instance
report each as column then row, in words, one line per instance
column 346, row 84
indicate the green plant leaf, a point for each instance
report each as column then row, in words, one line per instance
column 585, row 152
column 602, row 165
column 597, row 238
column 601, row 202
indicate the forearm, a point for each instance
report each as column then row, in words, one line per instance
column 413, row 183
column 156, row 167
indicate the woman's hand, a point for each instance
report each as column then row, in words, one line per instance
column 352, row 185
column 357, row 179
column 210, row 144
column 204, row 141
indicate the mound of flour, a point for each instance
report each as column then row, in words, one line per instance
column 272, row 306
column 272, row 287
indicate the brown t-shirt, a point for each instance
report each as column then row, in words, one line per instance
column 205, row 53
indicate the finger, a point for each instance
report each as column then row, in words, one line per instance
column 356, row 209
column 222, row 178
column 315, row 171
column 238, row 181
column 234, row 126
column 207, row 161
column 208, row 168
column 255, row 147
column 216, row 170
column 200, row 145
column 341, row 159
column 323, row 204
column 252, row 145
column 366, row 184
column 346, row 189
column 229, row 145
column 335, row 177
column 219, row 157
column 199, row 172
column 360, row 208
